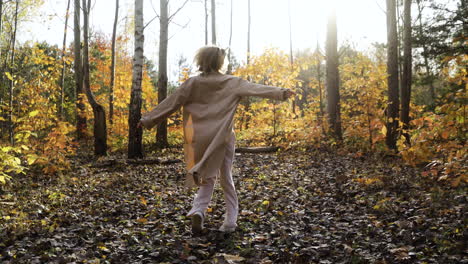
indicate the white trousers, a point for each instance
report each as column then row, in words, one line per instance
column 203, row 196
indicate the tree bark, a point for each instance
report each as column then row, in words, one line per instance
column 333, row 93
column 12, row 83
column 392, row 71
column 62, row 74
column 206, row 22
column 135, row 135
column 100, row 127
column 80, row 107
column 407, row 71
column 112, row 69
column 229, row 68
column 248, row 33
column 2, row 113
column 161, row 136
column 213, row 22
column 1, row 13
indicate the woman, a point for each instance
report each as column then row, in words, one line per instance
column 209, row 103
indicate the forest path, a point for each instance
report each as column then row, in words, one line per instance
column 295, row 206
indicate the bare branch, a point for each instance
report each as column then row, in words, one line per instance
column 182, row 27
column 383, row 10
column 177, row 11
column 151, row 20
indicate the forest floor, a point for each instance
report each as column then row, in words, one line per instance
column 311, row 206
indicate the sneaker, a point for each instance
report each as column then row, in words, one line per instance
column 197, row 223
column 228, row 228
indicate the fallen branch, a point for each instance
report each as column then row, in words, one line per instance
column 110, row 163
column 152, row 161
column 257, row 149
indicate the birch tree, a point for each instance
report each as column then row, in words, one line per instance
column 135, row 134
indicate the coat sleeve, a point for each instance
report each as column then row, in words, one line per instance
column 245, row 88
column 168, row 106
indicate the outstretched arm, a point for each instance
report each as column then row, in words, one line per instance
column 246, row 88
column 166, row 107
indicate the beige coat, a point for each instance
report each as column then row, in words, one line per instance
column 209, row 104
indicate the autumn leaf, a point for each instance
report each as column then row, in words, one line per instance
column 8, row 75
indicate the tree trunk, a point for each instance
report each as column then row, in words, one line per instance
column 1, row 16
column 426, row 60
column 319, row 80
column 100, row 128
column 392, row 71
column 291, row 57
column 333, row 93
column 62, row 74
column 206, row 22
column 2, row 113
column 135, row 135
column 229, row 68
column 248, row 33
column 80, row 107
column 213, row 22
column 12, row 62
column 112, row 69
column 161, row 137
column 407, row 71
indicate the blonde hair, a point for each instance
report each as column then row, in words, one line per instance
column 210, row 59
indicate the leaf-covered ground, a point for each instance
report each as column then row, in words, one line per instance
column 295, row 206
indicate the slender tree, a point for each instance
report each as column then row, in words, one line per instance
column 1, row 17
column 392, row 71
column 229, row 68
column 290, row 34
column 135, row 147
column 248, row 32
column 319, row 57
column 333, row 92
column 407, row 70
column 12, row 83
column 80, row 107
column 112, row 69
column 161, row 136
column 213, row 22
column 100, row 127
column 62, row 74
column 291, row 57
column 425, row 56
column 206, row 22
